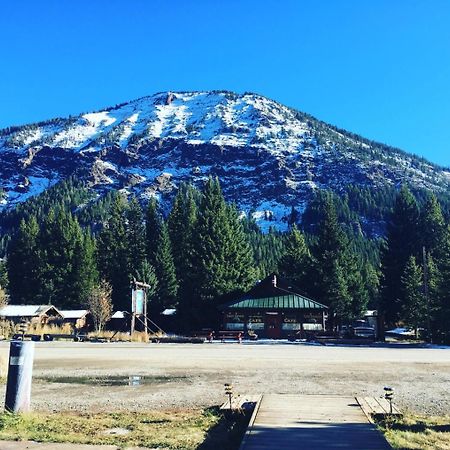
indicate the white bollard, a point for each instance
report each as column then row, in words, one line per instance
column 20, row 369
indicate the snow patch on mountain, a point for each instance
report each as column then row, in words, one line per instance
column 199, row 117
column 270, row 158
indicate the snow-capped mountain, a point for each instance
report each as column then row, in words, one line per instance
column 269, row 157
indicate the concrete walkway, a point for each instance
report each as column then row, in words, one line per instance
column 311, row 422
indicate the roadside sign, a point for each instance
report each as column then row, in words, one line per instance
column 138, row 301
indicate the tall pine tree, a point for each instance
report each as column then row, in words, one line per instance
column 153, row 220
column 414, row 306
column 136, row 242
column 85, row 274
column 181, row 225
column 338, row 281
column 24, row 264
column 295, row 264
column 113, row 255
column 223, row 257
column 432, row 226
column 401, row 243
column 166, row 295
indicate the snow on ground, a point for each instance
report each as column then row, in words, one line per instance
column 129, row 125
column 37, row 186
column 271, row 214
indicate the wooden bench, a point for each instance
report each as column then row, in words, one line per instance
column 235, row 335
column 206, row 334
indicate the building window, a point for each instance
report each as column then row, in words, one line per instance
column 255, row 322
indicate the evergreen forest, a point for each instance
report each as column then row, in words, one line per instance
column 362, row 249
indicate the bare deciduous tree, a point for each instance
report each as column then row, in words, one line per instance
column 100, row 304
column 3, row 297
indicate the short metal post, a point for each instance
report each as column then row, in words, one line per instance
column 20, row 369
column 229, row 393
column 389, row 395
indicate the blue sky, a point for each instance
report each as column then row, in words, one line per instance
column 378, row 68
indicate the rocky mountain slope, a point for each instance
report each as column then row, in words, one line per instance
column 268, row 157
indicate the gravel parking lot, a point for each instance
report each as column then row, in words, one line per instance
column 192, row 375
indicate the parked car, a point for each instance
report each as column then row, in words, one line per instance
column 364, row 332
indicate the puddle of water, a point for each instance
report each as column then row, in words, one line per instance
column 114, row 380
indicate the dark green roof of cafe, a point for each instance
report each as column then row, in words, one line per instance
column 273, row 293
column 288, row 301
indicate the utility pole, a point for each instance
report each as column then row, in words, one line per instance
column 426, row 291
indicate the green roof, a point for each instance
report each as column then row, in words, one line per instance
column 291, row 301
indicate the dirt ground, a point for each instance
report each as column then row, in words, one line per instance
column 193, row 375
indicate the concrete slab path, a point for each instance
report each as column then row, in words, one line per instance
column 312, row 422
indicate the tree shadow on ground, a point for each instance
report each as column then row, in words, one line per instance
column 318, row 434
column 418, row 426
column 228, row 432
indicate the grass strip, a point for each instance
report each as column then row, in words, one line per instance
column 417, row 432
column 174, row 429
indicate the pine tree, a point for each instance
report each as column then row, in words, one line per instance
column 432, row 226
column 113, row 255
column 295, row 264
column 166, row 295
column 135, row 237
column 401, row 243
column 440, row 292
column 223, row 257
column 181, row 225
column 147, row 275
column 372, row 283
column 57, row 244
column 336, row 291
column 336, row 268
column 85, row 273
column 68, row 271
column 241, row 264
column 24, row 264
column 414, row 308
column 211, row 243
column 153, row 220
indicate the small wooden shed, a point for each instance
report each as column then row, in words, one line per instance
column 40, row 314
column 80, row 319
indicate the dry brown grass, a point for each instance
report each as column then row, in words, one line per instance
column 137, row 336
column 3, row 369
column 37, row 328
column 418, row 432
column 7, row 329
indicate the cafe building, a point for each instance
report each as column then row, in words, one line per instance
column 274, row 309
